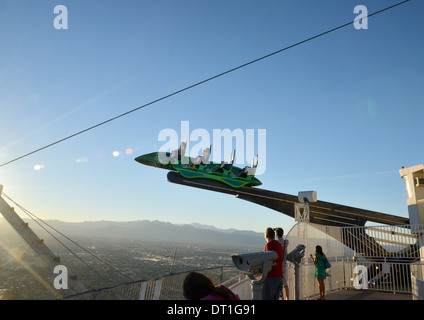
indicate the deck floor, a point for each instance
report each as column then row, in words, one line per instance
column 351, row 294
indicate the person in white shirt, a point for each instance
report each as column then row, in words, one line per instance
column 284, row 243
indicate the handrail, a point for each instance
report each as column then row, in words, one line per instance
column 132, row 290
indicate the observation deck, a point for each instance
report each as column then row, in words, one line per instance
column 385, row 279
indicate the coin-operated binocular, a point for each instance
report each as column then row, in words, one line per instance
column 255, row 264
column 296, row 255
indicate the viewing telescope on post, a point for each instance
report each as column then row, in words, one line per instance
column 255, row 264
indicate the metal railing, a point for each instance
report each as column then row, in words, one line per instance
column 417, row 281
column 382, row 258
column 390, row 277
column 350, row 273
column 168, row 287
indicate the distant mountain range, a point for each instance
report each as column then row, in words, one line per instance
column 146, row 230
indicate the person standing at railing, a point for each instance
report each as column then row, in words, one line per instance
column 320, row 272
column 274, row 280
column 284, row 243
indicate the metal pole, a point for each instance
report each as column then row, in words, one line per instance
column 257, row 289
column 297, row 281
column 173, row 260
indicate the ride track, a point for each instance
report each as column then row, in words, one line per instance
column 320, row 212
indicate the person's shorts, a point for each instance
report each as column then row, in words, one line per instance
column 284, row 277
column 271, row 288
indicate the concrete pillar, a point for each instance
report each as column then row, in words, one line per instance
column 414, row 185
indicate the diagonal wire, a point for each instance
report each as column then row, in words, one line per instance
column 202, row 82
column 34, row 217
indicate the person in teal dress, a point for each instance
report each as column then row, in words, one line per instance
column 320, row 273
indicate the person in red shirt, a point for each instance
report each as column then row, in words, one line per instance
column 274, row 280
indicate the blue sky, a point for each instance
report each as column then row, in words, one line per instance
column 342, row 113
